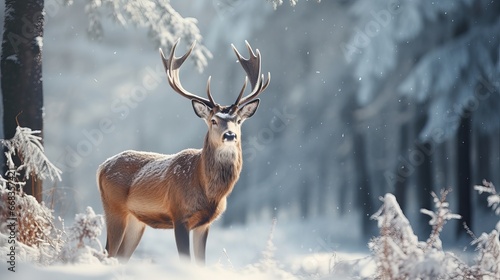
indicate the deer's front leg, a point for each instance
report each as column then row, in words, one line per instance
column 200, row 235
column 182, row 239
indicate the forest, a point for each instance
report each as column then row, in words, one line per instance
column 367, row 98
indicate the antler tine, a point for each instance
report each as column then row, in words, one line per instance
column 172, row 65
column 252, row 68
column 237, row 102
column 209, row 94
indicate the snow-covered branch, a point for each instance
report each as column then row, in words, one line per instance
column 439, row 218
column 165, row 25
column 493, row 199
column 27, row 145
column 277, row 3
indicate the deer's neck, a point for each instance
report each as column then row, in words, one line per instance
column 221, row 168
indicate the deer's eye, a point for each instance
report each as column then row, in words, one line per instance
column 214, row 122
column 238, row 121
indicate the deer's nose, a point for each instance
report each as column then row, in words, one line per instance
column 229, row 136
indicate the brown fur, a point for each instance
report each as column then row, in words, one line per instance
column 175, row 194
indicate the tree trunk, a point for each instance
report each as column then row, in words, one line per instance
column 363, row 187
column 21, row 69
column 305, row 199
column 421, row 157
column 324, row 184
column 464, row 173
column 401, row 169
column 482, row 167
column 343, row 193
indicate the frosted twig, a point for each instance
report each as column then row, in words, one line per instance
column 439, row 218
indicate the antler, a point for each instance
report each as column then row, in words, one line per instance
column 252, row 68
column 172, row 65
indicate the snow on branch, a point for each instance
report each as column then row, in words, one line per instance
column 165, row 25
column 277, row 3
column 397, row 240
column 439, row 218
column 493, row 199
column 488, row 259
column 27, row 145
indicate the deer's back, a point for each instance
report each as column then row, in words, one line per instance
column 151, row 186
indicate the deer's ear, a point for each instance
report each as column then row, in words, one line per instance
column 201, row 110
column 247, row 110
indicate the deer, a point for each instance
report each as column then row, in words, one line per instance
column 186, row 191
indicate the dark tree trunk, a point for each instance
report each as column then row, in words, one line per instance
column 483, row 148
column 305, row 199
column 324, row 183
column 402, row 168
column 21, row 70
column 464, row 173
column 361, row 180
column 482, row 167
column 363, row 187
column 343, row 192
column 421, row 156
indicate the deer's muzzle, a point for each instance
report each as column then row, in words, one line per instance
column 229, row 136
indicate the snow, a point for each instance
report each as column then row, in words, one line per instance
column 493, row 198
column 248, row 256
column 13, row 58
column 292, row 251
column 39, row 41
column 224, row 116
column 164, row 24
column 155, row 167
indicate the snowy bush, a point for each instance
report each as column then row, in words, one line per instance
column 82, row 244
column 34, row 221
column 32, row 224
column 22, row 218
column 488, row 245
column 28, row 225
column 267, row 264
column 488, row 259
column 399, row 254
column 266, row 267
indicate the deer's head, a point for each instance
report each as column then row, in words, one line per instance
column 224, row 122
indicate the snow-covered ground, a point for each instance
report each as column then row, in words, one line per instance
column 263, row 249
column 295, row 251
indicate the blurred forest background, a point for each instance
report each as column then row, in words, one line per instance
column 366, row 97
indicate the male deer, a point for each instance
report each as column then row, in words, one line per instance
column 184, row 191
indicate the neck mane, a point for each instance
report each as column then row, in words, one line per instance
column 221, row 166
